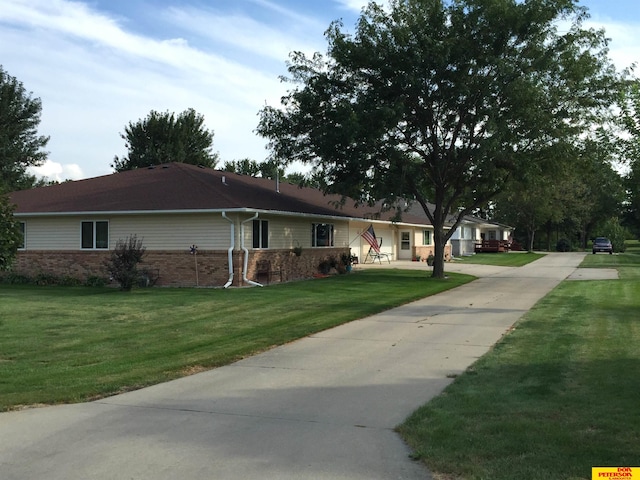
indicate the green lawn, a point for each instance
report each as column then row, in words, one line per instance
column 511, row 259
column 558, row 395
column 68, row 344
column 626, row 263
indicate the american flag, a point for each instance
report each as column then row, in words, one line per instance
column 370, row 236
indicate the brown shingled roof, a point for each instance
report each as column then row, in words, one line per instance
column 179, row 186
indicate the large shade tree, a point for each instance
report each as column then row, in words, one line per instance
column 20, row 144
column 630, row 147
column 20, row 147
column 442, row 102
column 164, row 138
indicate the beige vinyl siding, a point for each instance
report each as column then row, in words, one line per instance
column 174, row 231
column 158, row 232
column 177, row 231
column 288, row 232
column 53, row 234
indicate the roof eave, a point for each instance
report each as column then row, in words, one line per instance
column 94, row 213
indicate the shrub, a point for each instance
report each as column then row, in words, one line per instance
column 563, row 245
column 123, row 262
column 13, row 278
column 46, row 279
column 95, row 281
column 616, row 233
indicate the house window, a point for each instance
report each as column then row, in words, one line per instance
column 426, row 237
column 492, row 235
column 322, row 235
column 23, row 236
column 405, row 240
column 260, row 234
column 95, row 235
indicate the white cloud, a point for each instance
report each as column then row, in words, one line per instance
column 249, row 34
column 58, row 172
column 94, row 78
column 624, row 47
column 354, row 5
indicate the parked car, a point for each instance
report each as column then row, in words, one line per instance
column 602, row 244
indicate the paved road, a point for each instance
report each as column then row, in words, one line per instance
column 323, row 407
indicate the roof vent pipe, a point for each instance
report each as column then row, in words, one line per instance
column 230, row 251
column 224, row 180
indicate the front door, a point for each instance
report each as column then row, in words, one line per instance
column 405, row 252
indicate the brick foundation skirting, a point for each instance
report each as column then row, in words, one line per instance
column 425, row 251
column 178, row 269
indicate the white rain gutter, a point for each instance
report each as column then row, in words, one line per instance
column 230, row 251
column 246, row 252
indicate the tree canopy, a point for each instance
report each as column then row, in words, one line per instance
column 631, row 153
column 164, row 138
column 20, row 144
column 246, row 166
column 10, row 235
column 443, row 102
column 576, row 196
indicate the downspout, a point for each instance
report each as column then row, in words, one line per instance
column 246, row 253
column 230, row 251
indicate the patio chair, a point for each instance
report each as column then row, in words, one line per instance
column 375, row 254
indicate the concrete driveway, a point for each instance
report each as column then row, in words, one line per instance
column 323, row 407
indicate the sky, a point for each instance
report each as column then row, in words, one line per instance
column 98, row 65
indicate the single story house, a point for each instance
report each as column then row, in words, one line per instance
column 469, row 232
column 202, row 227
column 473, row 230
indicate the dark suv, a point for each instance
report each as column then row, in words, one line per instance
column 602, row 244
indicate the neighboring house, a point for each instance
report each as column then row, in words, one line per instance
column 245, row 228
column 474, row 229
column 470, row 231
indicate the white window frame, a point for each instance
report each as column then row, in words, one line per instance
column 314, row 235
column 94, row 238
column 263, row 234
column 426, row 237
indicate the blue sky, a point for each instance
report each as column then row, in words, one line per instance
column 99, row 64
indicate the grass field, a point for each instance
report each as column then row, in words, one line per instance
column 64, row 344
column 511, row 259
column 558, row 395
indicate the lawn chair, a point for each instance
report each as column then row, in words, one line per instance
column 375, row 254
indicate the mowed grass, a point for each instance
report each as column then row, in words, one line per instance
column 62, row 344
column 626, row 263
column 557, row 396
column 503, row 259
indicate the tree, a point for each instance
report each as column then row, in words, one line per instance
column 10, row 236
column 574, row 196
column 631, row 153
column 442, row 101
column 269, row 169
column 20, row 144
column 164, row 138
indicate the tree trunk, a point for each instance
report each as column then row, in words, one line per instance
column 531, row 235
column 439, row 242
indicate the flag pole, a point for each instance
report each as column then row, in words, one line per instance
column 358, row 236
